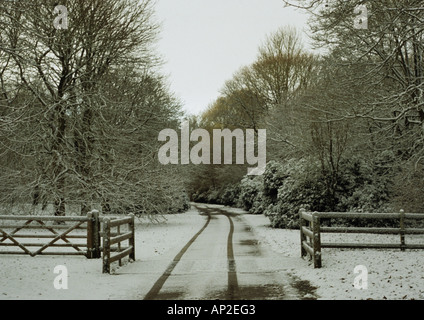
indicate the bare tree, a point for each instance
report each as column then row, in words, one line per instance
column 80, row 105
column 389, row 52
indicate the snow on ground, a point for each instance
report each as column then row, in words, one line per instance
column 392, row 274
column 27, row 278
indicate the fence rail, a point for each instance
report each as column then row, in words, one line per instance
column 61, row 229
column 27, row 232
column 112, row 254
column 311, row 230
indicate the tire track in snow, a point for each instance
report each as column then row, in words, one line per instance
column 154, row 291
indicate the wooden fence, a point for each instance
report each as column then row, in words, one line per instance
column 68, row 229
column 112, row 248
column 311, row 230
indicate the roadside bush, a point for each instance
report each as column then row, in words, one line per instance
column 360, row 186
column 274, row 176
column 408, row 189
column 302, row 186
column 230, row 195
column 200, row 196
column 364, row 185
column 213, row 196
column 250, row 197
column 181, row 203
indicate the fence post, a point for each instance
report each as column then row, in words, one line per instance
column 402, row 230
column 131, row 241
column 90, row 238
column 118, row 231
column 97, row 252
column 106, row 246
column 316, row 240
column 93, row 235
column 302, row 236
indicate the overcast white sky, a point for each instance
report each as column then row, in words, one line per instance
column 204, row 42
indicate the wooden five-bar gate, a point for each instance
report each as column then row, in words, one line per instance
column 112, row 248
column 79, row 234
column 311, row 230
column 68, row 235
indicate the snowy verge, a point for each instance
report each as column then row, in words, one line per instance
column 392, row 274
column 32, row 278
